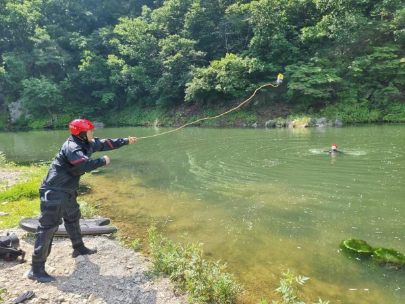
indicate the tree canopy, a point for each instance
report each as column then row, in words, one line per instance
column 87, row 56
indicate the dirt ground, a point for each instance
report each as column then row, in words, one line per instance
column 112, row 275
column 8, row 177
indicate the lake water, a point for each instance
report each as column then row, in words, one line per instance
column 261, row 200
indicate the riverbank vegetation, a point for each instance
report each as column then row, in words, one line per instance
column 204, row 281
column 142, row 62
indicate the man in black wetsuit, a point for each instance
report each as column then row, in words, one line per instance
column 58, row 192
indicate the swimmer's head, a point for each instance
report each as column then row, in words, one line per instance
column 334, row 146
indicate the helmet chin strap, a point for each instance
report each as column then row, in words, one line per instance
column 83, row 136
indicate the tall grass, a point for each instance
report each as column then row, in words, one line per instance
column 23, row 190
column 18, row 210
column 3, row 160
column 20, row 200
column 204, row 281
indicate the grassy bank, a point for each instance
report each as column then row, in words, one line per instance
column 19, row 192
column 275, row 115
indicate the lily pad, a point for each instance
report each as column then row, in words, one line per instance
column 390, row 256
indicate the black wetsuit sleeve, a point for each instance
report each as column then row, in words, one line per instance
column 109, row 144
column 82, row 163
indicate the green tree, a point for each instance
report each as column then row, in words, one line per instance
column 235, row 29
column 311, row 85
column 46, row 57
column 133, row 82
column 340, row 31
column 230, row 77
column 177, row 56
column 94, row 76
column 169, row 18
column 380, row 76
column 41, row 95
column 134, row 41
column 274, row 40
column 11, row 75
column 18, row 19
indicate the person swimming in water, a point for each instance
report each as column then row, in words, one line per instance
column 334, row 150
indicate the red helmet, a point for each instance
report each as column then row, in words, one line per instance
column 80, row 125
column 334, row 145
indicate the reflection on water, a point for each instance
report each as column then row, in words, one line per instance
column 265, row 201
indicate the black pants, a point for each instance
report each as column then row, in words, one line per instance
column 56, row 205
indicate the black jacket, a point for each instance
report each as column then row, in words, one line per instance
column 73, row 160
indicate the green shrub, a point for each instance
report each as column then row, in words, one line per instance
column 360, row 112
column 204, row 282
column 289, row 290
column 135, row 117
column 3, row 160
column 135, row 245
column 301, row 121
column 241, row 117
column 396, row 113
column 63, row 121
column 280, row 121
column 38, row 123
column 22, row 122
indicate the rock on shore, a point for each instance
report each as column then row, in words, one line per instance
column 113, row 275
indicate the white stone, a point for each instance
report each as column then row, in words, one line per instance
column 80, row 259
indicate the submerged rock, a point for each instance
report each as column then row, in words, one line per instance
column 389, row 256
column 357, row 247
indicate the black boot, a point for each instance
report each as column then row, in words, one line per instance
column 39, row 274
column 82, row 250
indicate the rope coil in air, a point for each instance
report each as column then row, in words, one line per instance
column 279, row 81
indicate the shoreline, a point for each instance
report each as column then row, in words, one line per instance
column 113, row 275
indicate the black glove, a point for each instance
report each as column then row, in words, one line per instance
column 25, row 296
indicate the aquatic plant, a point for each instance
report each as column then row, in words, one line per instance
column 204, row 281
column 289, row 290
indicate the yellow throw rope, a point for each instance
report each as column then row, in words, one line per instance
column 279, row 81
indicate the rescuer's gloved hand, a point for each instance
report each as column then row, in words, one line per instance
column 132, row 139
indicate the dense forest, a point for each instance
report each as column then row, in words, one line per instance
column 131, row 61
